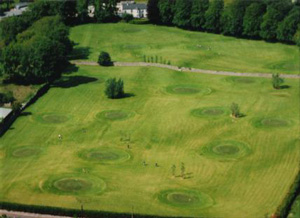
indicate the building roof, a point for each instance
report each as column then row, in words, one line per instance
column 4, row 112
column 132, row 6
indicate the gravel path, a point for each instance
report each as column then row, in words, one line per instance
column 16, row 214
column 184, row 69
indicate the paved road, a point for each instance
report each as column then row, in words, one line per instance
column 16, row 214
column 184, row 69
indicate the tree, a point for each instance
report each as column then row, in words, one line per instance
column 198, row 14
column 39, row 54
column 232, row 17
column 6, row 98
column 16, row 107
column 253, row 19
column 182, row 169
column 82, row 10
column 277, row 81
column 166, row 11
column 213, row 16
column 276, row 11
column 127, row 17
column 288, row 27
column 106, row 11
column 153, row 11
column 296, row 37
column 235, row 110
column 114, row 88
column 104, row 59
column 182, row 16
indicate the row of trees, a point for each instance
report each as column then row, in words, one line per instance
column 266, row 19
column 37, row 54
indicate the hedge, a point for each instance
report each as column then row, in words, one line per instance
column 69, row 212
column 286, row 205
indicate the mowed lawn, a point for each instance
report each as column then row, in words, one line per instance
column 233, row 167
column 129, row 42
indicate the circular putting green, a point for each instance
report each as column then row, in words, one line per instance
column 271, row 122
column 242, row 80
column 23, row 152
column 105, row 155
column 209, row 112
column 52, row 118
column 72, row 184
column 225, row 150
column 187, row 90
column 185, row 198
column 115, row 115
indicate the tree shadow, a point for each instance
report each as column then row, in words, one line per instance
column 241, row 115
column 73, row 81
column 80, row 53
column 285, row 87
column 24, row 114
column 128, row 95
column 71, row 68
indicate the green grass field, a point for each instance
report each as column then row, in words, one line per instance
column 234, row 168
column 128, row 42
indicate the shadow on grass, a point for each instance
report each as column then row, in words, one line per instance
column 24, row 114
column 285, row 87
column 128, row 95
column 73, row 81
column 80, row 53
column 71, row 68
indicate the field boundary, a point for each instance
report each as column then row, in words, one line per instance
column 186, row 69
column 284, row 208
column 67, row 212
column 9, row 119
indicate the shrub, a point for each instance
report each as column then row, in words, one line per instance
column 127, row 17
column 276, row 81
column 235, row 110
column 104, row 59
column 16, row 107
column 6, row 98
column 114, row 88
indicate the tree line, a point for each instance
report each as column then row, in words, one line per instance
column 265, row 19
column 38, row 54
column 35, row 45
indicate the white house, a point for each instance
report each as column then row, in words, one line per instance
column 137, row 10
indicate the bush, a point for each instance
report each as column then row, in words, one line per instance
column 104, row 59
column 6, row 98
column 277, row 81
column 127, row 17
column 114, row 88
column 235, row 110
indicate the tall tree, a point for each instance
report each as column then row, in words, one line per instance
column 276, row 11
column 105, row 10
column 253, row 19
column 182, row 17
column 232, row 18
column 296, row 37
column 153, row 11
column 198, row 14
column 166, row 11
column 288, row 27
column 82, row 10
column 213, row 16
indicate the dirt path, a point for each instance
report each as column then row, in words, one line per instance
column 16, row 214
column 185, row 69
